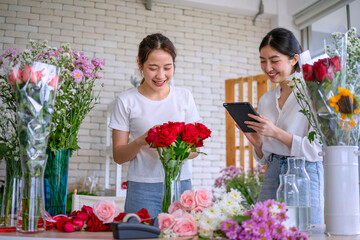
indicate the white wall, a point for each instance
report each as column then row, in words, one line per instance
column 212, row 46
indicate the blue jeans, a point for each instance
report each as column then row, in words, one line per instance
column 148, row 195
column 277, row 165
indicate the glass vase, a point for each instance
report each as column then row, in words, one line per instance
column 55, row 181
column 11, row 195
column 171, row 185
column 35, row 100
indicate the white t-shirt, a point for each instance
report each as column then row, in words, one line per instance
column 136, row 114
column 291, row 120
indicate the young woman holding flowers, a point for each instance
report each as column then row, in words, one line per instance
column 137, row 110
column 282, row 130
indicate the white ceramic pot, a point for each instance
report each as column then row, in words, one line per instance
column 341, row 176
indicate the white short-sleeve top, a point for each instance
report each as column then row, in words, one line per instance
column 136, row 114
column 291, row 120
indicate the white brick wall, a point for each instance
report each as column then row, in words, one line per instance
column 212, row 47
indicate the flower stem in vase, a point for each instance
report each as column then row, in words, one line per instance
column 171, row 187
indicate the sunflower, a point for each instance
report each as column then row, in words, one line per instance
column 346, row 104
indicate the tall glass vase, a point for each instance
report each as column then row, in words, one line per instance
column 55, row 181
column 10, row 200
column 171, row 185
column 35, row 98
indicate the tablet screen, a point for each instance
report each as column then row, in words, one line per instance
column 239, row 112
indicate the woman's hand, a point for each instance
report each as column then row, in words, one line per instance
column 263, row 126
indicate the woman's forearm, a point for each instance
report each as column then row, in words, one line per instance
column 125, row 153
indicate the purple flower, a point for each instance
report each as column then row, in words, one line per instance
column 231, row 228
column 77, row 74
column 98, row 63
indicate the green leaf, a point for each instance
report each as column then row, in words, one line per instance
column 311, row 136
column 241, row 218
column 3, row 150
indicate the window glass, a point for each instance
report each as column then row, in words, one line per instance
column 354, row 8
column 321, row 30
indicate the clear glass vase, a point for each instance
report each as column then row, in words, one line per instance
column 11, row 195
column 55, row 181
column 296, row 166
column 171, row 185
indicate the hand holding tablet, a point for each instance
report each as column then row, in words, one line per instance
column 239, row 112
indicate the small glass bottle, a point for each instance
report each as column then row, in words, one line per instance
column 296, row 166
column 288, row 193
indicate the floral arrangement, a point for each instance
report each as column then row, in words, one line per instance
column 226, row 218
column 327, row 91
column 248, row 183
column 93, row 219
column 266, row 220
column 75, row 94
column 174, row 141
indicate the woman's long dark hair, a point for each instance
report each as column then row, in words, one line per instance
column 153, row 42
column 283, row 41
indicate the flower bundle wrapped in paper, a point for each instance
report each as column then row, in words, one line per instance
column 327, row 92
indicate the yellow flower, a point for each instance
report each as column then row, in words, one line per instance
column 346, row 105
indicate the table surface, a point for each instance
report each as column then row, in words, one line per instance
column 317, row 234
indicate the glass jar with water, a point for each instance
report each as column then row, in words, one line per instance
column 288, row 193
column 296, row 166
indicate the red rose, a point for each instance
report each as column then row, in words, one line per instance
column 83, row 215
column 87, row 209
column 124, row 185
column 94, row 224
column 167, row 135
column 335, row 62
column 190, row 133
column 69, row 227
column 320, row 70
column 120, row 217
column 203, row 131
column 199, row 143
column 152, row 137
column 60, row 223
column 144, row 215
column 176, row 126
column 308, row 72
column 78, row 223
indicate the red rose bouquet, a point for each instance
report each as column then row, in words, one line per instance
column 174, row 141
column 327, row 92
column 98, row 218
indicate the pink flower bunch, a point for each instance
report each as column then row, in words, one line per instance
column 179, row 220
column 266, row 220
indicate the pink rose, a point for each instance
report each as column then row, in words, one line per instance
column 54, row 82
column 188, row 200
column 15, row 75
column 203, row 198
column 185, row 226
column 106, row 210
column 165, row 221
column 178, row 213
column 31, row 73
column 198, row 209
column 175, row 206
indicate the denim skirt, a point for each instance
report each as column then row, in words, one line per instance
column 277, row 165
column 148, row 195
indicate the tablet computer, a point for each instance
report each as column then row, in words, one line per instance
column 239, row 112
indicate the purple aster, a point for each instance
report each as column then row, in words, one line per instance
column 98, row 63
column 77, row 74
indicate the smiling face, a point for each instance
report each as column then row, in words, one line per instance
column 276, row 66
column 158, row 70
